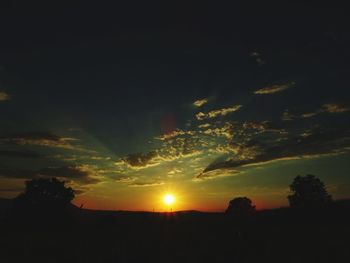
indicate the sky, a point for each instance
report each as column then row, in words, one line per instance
column 128, row 102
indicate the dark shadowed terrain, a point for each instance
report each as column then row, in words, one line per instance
column 280, row 235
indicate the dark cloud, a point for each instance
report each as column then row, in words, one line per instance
column 18, row 173
column 307, row 144
column 336, row 107
column 216, row 173
column 36, row 135
column 20, row 154
column 38, row 138
column 79, row 174
column 140, row 159
column 330, row 108
column 16, row 189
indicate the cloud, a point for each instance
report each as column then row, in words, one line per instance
column 215, row 174
column 179, row 148
column 331, row 108
column 174, row 134
column 200, row 103
column 313, row 145
column 81, row 174
column 335, row 108
column 141, row 160
column 124, row 179
column 257, row 57
column 274, row 88
column 223, row 131
column 262, row 127
column 309, row 114
column 146, row 184
column 39, row 138
column 4, row 96
column 205, row 125
column 20, row 154
column 175, row 171
column 215, row 113
column 287, row 116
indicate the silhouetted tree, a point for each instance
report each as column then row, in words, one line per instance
column 43, row 195
column 307, row 192
column 240, row 207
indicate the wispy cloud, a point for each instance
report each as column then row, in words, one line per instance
column 4, row 96
column 82, row 174
column 215, row 174
column 335, row 108
column 20, row 154
column 200, row 103
column 255, row 152
column 331, row 108
column 146, row 184
column 215, row 113
column 258, row 58
column 39, row 138
column 274, row 88
column 124, row 179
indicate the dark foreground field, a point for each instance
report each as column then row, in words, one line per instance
column 271, row 236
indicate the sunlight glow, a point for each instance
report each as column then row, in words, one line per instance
column 169, row 199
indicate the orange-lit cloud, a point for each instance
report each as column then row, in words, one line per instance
column 274, row 88
column 200, row 103
column 215, row 113
column 175, row 133
column 4, row 96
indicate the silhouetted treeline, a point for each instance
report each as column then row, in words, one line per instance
column 45, row 201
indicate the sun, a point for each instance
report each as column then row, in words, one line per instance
column 169, row 199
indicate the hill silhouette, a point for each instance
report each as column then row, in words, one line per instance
column 42, row 225
column 320, row 235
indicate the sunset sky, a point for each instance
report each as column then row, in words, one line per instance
column 130, row 102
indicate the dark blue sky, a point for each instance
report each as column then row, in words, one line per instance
column 121, row 99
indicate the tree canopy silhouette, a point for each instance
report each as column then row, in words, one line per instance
column 307, row 192
column 240, row 207
column 45, row 194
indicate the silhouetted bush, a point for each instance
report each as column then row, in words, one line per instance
column 240, row 207
column 308, row 192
